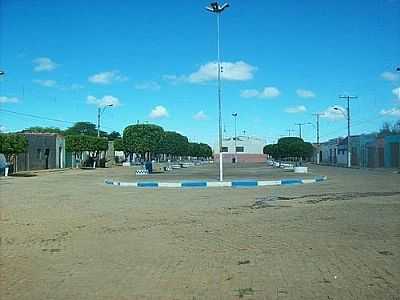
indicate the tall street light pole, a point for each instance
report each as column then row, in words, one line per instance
column 348, row 98
column 218, row 9
column 235, row 116
column 99, row 112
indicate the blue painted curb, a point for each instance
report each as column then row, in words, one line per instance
column 207, row 184
column 194, row 184
column 147, row 184
column 244, row 183
column 291, row 181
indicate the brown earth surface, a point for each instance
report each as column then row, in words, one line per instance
column 67, row 235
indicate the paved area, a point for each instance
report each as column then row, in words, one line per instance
column 67, row 235
column 210, row 173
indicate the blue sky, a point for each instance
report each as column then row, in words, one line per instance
column 283, row 61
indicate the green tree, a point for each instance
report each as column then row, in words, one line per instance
column 301, row 150
column 289, row 147
column 40, row 129
column 80, row 143
column 142, row 138
column 199, row 150
column 272, row 150
column 174, row 144
column 12, row 144
column 84, row 128
column 114, row 135
column 119, row 145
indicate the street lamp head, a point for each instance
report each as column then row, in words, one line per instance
column 216, row 8
column 2, row 73
column 234, row 114
column 398, row 69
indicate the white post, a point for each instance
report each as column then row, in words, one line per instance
column 221, row 175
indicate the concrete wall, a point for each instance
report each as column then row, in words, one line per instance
column 44, row 151
column 242, row 158
column 251, row 145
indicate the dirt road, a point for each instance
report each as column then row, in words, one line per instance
column 67, row 235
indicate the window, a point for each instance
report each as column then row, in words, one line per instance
column 224, row 149
column 239, row 149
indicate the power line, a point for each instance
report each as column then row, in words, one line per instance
column 41, row 117
column 35, row 116
column 354, row 125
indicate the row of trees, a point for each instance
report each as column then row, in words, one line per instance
column 289, row 148
column 143, row 139
column 79, row 128
column 152, row 141
column 80, row 143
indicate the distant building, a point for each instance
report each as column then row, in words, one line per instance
column 44, row 151
column 329, row 151
column 392, row 151
column 248, row 149
column 367, row 151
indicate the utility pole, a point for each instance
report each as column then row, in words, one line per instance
column 218, row 9
column 318, row 157
column 347, row 97
column 290, row 131
column 301, row 124
column 98, row 121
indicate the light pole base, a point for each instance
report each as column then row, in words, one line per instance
column 221, row 163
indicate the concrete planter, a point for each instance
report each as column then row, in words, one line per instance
column 300, row 169
column 6, row 171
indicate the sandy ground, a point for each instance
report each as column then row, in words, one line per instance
column 67, row 235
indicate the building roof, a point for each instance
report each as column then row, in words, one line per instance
column 42, row 134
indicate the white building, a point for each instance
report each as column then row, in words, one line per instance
column 248, row 149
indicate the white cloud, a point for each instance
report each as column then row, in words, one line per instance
column 334, row 114
column 249, row 93
column 390, row 76
column 45, row 83
column 270, row 92
column 107, row 77
column 305, row 93
column 44, row 64
column 393, row 112
column 173, row 79
column 104, row 101
column 148, row 85
column 233, row 71
column 396, row 92
column 296, row 109
column 200, row 116
column 267, row 92
column 158, row 112
column 5, row 99
column 3, row 128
